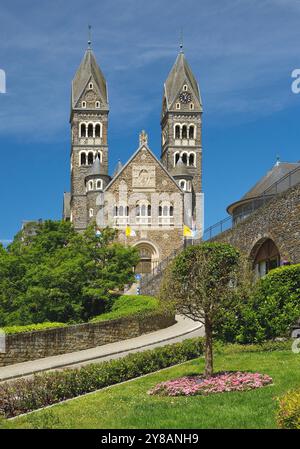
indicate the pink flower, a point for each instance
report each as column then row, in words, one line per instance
column 228, row 381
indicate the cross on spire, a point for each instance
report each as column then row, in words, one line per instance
column 181, row 41
column 90, row 36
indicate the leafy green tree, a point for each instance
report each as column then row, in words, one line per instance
column 60, row 275
column 198, row 283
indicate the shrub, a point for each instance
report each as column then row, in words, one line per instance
column 128, row 305
column 31, row 327
column 288, row 416
column 269, row 312
column 44, row 389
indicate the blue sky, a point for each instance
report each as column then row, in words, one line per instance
column 241, row 51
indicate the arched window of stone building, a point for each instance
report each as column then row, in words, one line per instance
column 90, row 185
column 115, row 211
column 83, row 159
column 90, row 130
column 266, row 256
column 97, row 104
column 91, row 213
column 184, row 132
column 191, row 132
column 177, row 132
column 90, row 158
column 176, row 158
column 82, row 130
column 192, row 159
column 99, row 184
column 98, row 130
column 184, row 158
column 143, row 212
column 182, row 184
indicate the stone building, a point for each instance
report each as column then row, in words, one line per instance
column 149, row 201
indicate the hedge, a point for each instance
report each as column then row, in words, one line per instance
column 31, row 327
column 288, row 416
column 24, row 395
column 128, row 305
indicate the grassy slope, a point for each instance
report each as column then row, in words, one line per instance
column 127, row 305
column 129, row 406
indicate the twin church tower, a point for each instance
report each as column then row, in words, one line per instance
column 149, row 201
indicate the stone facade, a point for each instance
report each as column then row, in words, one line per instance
column 278, row 220
column 34, row 345
column 170, row 188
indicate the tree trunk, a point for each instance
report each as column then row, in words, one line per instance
column 208, row 348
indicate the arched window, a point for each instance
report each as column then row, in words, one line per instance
column 99, row 184
column 182, row 184
column 184, row 158
column 192, row 106
column 115, row 211
column 82, row 130
column 83, row 104
column 91, row 86
column 90, row 158
column 90, row 130
column 90, row 185
column 176, row 159
column 177, row 132
column 184, row 132
column 185, row 87
column 98, row 130
column 165, row 212
column 97, row 104
column 83, row 159
column 91, row 213
column 192, row 159
column 143, row 212
column 191, row 132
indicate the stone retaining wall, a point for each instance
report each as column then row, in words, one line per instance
column 38, row 344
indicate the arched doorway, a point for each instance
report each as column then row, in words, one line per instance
column 265, row 256
column 148, row 258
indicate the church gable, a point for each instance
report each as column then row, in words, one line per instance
column 144, row 173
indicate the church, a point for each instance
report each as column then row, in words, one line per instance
column 153, row 203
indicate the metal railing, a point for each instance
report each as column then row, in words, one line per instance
column 287, row 181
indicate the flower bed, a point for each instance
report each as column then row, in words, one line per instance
column 219, row 383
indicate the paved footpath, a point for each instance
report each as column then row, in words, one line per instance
column 184, row 328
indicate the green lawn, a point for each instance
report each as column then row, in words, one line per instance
column 129, row 406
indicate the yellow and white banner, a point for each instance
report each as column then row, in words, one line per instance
column 130, row 232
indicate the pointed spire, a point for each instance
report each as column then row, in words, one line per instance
column 118, row 168
column 180, row 74
column 88, row 70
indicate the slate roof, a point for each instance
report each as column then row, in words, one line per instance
column 180, row 169
column 96, row 169
column 264, row 185
column 88, row 69
column 279, row 170
column 181, row 72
